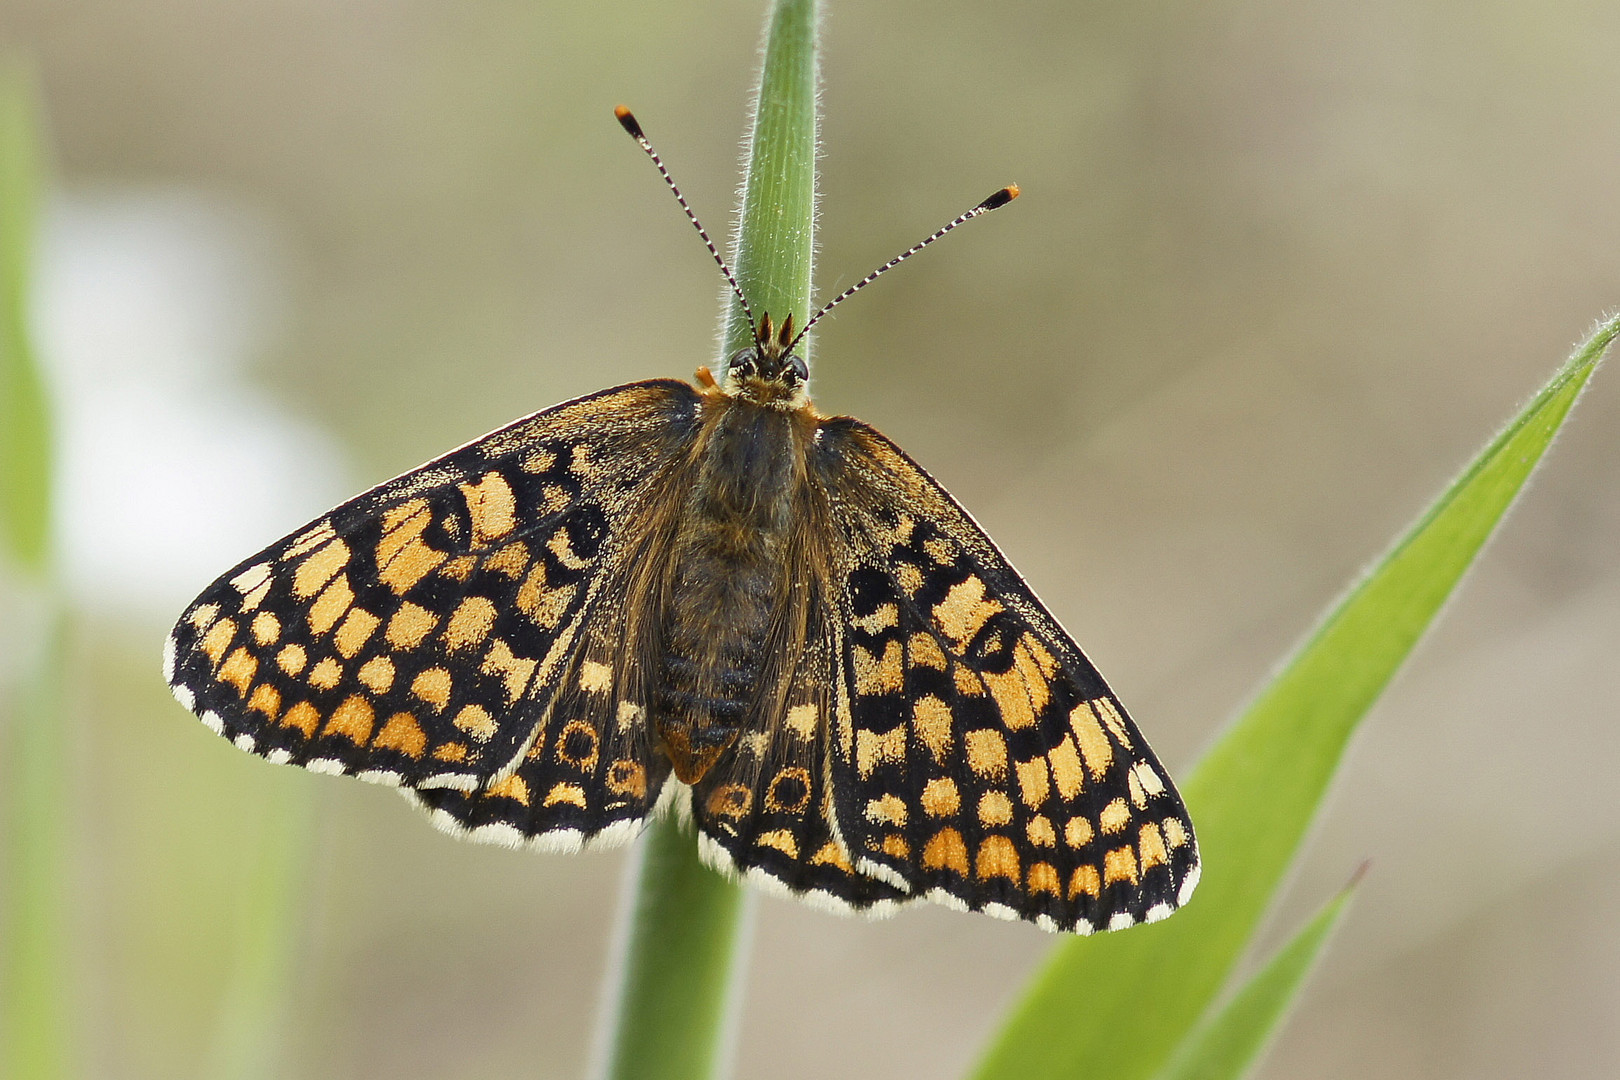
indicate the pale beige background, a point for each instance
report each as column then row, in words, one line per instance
column 1279, row 269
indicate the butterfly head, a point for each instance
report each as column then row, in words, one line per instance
column 768, row 372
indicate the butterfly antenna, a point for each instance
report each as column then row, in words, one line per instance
column 627, row 120
column 994, row 202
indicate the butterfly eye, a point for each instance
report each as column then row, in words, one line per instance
column 797, row 370
column 743, row 363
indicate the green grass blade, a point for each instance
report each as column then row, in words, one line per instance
column 677, row 981
column 35, row 1026
column 1116, row 1004
column 1230, row 1042
column 250, row 1031
column 25, row 465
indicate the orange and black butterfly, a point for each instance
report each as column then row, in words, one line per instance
column 714, row 598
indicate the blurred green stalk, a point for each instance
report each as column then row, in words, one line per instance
column 34, row 994
column 677, row 982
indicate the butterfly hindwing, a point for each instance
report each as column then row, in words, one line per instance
column 983, row 760
column 425, row 633
column 765, row 811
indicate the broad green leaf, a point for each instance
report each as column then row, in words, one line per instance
column 1116, row 1004
column 678, row 976
column 1228, row 1044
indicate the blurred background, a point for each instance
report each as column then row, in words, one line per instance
column 1280, row 268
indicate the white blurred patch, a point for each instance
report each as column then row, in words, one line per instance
column 172, row 467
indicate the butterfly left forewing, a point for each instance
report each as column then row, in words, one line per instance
column 984, row 760
column 417, row 634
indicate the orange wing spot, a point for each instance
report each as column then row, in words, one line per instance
column 510, row 560
column 782, row 840
column 408, row 625
column 218, row 639
column 803, row 720
column 1043, row 878
column 539, row 461
column 459, row 568
column 987, row 753
column 1151, row 845
column 453, row 752
column 577, row 745
column 354, row 719
column 239, row 669
column 1120, row 865
column 997, row 858
column 909, row 578
column 967, row 681
column 1116, row 723
column 291, row 659
column 931, row 720
column 627, row 778
column 402, row 733
column 330, row 605
column 1012, row 698
column 595, row 677
column 1065, row 764
column 319, row 568
column 357, row 626
column 995, row 809
column 965, row 610
column 789, row 792
column 377, row 674
column 266, row 699
column 832, row 855
column 1040, row 832
column 1138, row 796
column 266, row 628
column 316, row 535
column 886, row 617
column 203, row 617
column 1034, row 782
column 1094, row 744
column 875, row 675
column 886, row 810
column 561, row 546
column 544, row 605
column 873, row 750
column 470, row 623
column 1114, row 817
column 939, row 551
column 475, row 721
column 1175, row 833
column 572, row 794
column 1085, row 882
column 940, row 797
column 515, row 788
column 946, row 851
column 514, row 670
column 895, row 846
column 303, row 717
column 326, row 674
column 730, row 800
column 1078, row 832
column 491, row 507
column 433, row 686
column 925, row 652
column 403, row 558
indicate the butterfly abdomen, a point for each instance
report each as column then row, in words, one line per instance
column 726, row 582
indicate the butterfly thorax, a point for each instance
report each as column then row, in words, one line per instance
column 729, row 580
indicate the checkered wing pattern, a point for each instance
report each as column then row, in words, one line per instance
column 437, row 632
column 766, row 810
column 976, row 755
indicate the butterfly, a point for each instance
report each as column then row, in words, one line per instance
column 706, row 598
